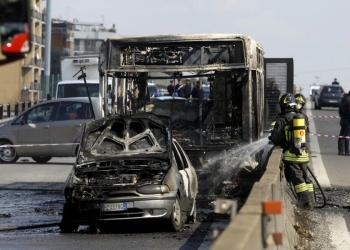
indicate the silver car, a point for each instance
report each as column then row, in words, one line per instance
column 48, row 129
column 129, row 168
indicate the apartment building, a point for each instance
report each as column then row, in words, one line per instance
column 76, row 39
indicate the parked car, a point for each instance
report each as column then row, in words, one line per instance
column 329, row 96
column 48, row 129
column 129, row 168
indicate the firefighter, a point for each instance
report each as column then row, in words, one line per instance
column 295, row 152
column 300, row 100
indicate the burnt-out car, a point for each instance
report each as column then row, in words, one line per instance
column 129, row 168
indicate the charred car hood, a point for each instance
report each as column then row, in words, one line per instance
column 126, row 137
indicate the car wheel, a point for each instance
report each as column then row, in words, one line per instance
column 69, row 222
column 192, row 218
column 41, row 159
column 8, row 154
column 175, row 219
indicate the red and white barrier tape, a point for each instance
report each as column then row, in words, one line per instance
column 333, row 136
column 325, row 116
column 38, row 145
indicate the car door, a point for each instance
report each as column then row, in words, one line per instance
column 186, row 182
column 190, row 172
column 67, row 128
column 33, row 130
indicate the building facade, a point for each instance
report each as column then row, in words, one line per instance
column 20, row 79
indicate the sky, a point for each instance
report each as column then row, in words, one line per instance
column 315, row 33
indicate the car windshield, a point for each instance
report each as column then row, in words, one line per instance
column 333, row 89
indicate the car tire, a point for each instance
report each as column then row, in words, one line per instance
column 41, row 159
column 175, row 220
column 8, row 154
column 69, row 222
column 192, row 218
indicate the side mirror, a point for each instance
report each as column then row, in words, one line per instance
column 15, row 27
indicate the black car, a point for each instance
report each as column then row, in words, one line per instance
column 329, row 96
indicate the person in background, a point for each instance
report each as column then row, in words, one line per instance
column 293, row 157
column 195, row 91
column 179, row 88
column 344, row 113
column 171, row 88
column 335, row 82
column 188, row 88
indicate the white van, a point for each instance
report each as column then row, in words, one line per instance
column 313, row 90
column 76, row 88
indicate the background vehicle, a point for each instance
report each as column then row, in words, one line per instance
column 76, row 88
column 152, row 88
column 329, row 96
column 129, row 168
column 314, row 89
column 206, row 91
column 73, row 86
column 49, row 129
column 15, row 29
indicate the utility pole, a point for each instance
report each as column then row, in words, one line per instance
column 47, row 68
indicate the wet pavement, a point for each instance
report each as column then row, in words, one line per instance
column 32, row 205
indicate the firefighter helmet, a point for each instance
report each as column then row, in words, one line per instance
column 287, row 101
column 300, row 100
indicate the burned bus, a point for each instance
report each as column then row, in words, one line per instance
column 230, row 67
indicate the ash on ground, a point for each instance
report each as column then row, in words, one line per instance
column 314, row 232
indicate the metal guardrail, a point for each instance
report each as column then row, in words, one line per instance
column 252, row 227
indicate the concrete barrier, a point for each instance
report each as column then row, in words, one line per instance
column 250, row 228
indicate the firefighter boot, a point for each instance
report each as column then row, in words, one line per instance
column 310, row 187
column 304, row 200
column 309, row 205
column 341, row 146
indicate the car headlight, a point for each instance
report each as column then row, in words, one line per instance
column 153, row 189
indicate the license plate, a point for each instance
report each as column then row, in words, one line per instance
column 106, row 207
column 333, row 101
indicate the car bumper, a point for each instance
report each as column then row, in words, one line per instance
column 329, row 103
column 135, row 208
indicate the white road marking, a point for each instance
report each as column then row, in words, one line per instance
column 340, row 235
column 316, row 159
